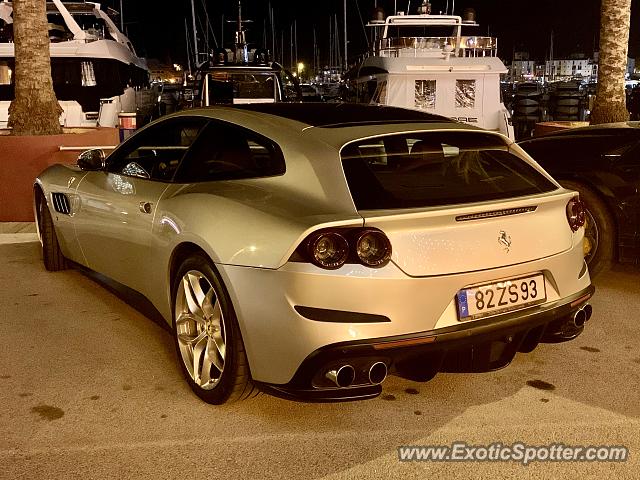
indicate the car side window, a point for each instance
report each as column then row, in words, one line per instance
column 228, row 152
column 156, row 152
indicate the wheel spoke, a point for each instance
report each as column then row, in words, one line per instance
column 199, row 348
column 209, row 304
column 193, row 294
column 216, row 355
column 216, row 314
column 205, row 376
column 591, row 236
column 218, row 343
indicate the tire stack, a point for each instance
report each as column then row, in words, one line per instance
column 527, row 108
column 568, row 102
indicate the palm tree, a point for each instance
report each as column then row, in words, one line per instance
column 35, row 109
column 610, row 103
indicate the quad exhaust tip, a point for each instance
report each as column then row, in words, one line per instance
column 342, row 376
column 377, row 373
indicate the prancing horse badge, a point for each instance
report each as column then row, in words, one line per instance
column 505, row 240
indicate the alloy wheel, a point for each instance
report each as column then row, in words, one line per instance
column 200, row 329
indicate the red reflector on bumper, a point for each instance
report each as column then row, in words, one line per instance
column 581, row 300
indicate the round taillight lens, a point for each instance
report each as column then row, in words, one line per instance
column 373, row 248
column 575, row 213
column 329, row 250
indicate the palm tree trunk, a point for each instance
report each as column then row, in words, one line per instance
column 35, row 109
column 610, row 103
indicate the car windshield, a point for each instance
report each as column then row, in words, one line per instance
column 428, row 169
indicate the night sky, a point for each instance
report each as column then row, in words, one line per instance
column 521, row 26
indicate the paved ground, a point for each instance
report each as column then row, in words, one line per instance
column 89, row 388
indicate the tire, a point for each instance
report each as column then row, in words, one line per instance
column 600, row 230
column 52, row 256
column 205, row 323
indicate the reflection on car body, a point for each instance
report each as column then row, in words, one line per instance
column 310, row 249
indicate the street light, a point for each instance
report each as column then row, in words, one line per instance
column 300, row 69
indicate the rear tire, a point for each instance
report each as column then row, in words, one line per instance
column 52, row 256
column 600, row 230
column 206, row 334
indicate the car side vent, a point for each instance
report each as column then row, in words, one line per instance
column 61, row 203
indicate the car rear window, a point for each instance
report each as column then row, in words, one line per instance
column 436, row 168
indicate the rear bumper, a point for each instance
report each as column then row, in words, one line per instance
column 483, row 345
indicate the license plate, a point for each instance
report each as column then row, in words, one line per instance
column 513, row 294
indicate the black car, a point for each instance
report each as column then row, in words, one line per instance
column 601, row 162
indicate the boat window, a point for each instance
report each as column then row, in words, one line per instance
column 424, row 169
column 236, row 87
column 228, row 152
column 366, row 91
column 6, row 23
column 58, row 31
column 380, row 96
column 6, row 74
column 433, row 31
column 156, row 152
column 425, row 96
column 290, row 88
column 465, row 93
column 88, row 74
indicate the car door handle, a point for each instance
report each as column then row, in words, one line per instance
column 145, row 207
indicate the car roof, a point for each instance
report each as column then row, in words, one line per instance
column 334, row 124
column 332, row 115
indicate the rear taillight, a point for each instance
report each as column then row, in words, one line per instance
column 373, row 248
column 575, row 213
column 333, row 247
column 328, row 249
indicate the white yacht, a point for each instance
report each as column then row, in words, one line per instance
column 424, row 62
column 96, row 72
column 243, row 75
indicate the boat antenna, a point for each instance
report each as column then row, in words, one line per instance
column 453, row 6
column 121, row 18
column 242, row 52
column 408, row 6
column 446, row 10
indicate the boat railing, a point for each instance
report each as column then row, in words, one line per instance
column 436, row 46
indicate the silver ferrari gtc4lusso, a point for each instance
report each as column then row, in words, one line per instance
column 308, row 249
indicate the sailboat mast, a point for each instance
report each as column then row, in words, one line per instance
column 186, row 33
column 206, row 29
column 273, row 33
column 195, row 32
column 346, row 64
column 315, row 50
column 330, row 43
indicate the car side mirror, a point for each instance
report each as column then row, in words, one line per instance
column 91, row 160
